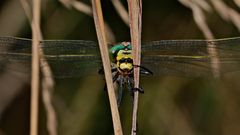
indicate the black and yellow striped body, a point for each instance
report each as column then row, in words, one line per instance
column 122, row 57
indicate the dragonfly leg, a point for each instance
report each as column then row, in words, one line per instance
column 144, row 70
column 114, row 70
column 120, row 91
column 130, row 83
column 137, row 129
column 130, row 87
column 140, row 90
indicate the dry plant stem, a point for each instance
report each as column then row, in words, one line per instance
column 227, row 13
column 86, row 9
column 135, row 15
column 199, row 18
column 99, row 24
column 51, row 114
column 237, row 2
column 47, row 82
column 80, row 6
column 27, row 9
column 35, row 69
column 48, row 87
column 121, row 11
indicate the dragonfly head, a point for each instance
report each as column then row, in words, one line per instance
column 122, row 57
column 115, row 50
column 126, row 46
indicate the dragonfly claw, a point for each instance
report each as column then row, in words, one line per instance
column 141, row 90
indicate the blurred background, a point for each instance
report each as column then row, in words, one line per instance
column 170, row 106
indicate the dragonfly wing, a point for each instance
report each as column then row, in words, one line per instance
column 190, row 57
column 165, row 65
column 72, row 58
column 11, row 60
column 67, row 58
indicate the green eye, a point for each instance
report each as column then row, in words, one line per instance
column 116, row 48
column 129, row 47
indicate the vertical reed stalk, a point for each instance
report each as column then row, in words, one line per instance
column 47, row 81
column 135, row 15
column 99, row 24
column 35, row 69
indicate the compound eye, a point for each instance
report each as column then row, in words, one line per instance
column 129, row 47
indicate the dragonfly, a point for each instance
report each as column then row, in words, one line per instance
column 78, row 58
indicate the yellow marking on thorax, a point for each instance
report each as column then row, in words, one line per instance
column 124, row 54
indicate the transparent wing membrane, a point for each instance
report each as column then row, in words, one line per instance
column 72, row 58
column 75, row 58
column 66, row 58
column 190, row 57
